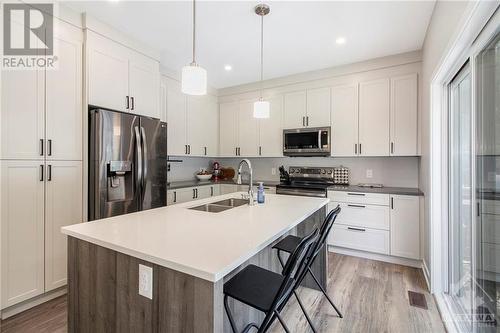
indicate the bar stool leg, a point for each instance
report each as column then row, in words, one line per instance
column 324, row 292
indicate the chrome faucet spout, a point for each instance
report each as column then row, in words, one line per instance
column 250, row 184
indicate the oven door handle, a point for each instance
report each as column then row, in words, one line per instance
column 301, row 192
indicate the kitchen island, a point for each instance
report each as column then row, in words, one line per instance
column 191, row 254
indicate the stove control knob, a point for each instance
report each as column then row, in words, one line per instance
column 323, row 171
column 292, row 170
column 297, row 170
column 329, row 171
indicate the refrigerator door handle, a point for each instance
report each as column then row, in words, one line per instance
column 144, row 160
column 138, row 147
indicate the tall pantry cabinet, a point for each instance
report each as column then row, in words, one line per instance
column 40, row 169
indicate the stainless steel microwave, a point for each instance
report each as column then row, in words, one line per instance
column 307, row 142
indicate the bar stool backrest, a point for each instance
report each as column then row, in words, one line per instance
column 325, row 230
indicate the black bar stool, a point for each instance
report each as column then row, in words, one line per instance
column 290, row 243
column 268, row 291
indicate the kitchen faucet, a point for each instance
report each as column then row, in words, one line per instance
column 250, row 185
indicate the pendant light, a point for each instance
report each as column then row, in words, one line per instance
column 261, row 108
column 194, row 77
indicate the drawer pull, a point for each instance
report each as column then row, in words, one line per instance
column 356, row 229
column 357, row 206
column 358, row 194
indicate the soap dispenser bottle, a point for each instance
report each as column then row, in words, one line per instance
column 260, row 193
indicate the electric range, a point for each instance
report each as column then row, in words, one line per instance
column 307, row 181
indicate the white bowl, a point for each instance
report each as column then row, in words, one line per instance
column 203, row 177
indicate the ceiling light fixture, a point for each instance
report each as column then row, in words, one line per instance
column 261, row 108
column 194, row 77
column 228, row 67
column 340, row 40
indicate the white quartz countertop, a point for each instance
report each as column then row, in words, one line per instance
column 202, row 244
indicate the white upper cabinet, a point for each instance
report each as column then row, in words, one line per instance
column 248, row 131
column 22, row 225
column 64, row 97
column 374, row 113
column 107, row 73
column 202, row 125
column 271, row 130
column 176, row 118
column 41, row 111
column 63, row 206
column 405, row 226
column 228, row 114
column 344, row 135
column 295, row 109
column 144, row 76
column 318, row 107
column 120, row 78
column 403, row 123
column 22, row 120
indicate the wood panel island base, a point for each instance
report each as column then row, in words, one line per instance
column 191, row 254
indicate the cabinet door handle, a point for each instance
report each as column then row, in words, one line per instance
column 175, row 196
column 356, row 229
column 360, row 149
column 357, row 206
column 194, row 194
column 307, row 121
column 49, row 173
column 358, row 194
column 392, row 203
column 132, row 103
column 392, row 147
column 49, row 147
column 355, row 149
column 41, row 147
column 260, row 150
column 189, row 149
column 205, row 151
column 211, row 191
column 41, row 172
column 128, row 102
column 303, row 121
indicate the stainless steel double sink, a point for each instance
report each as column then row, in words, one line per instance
column 220, row 206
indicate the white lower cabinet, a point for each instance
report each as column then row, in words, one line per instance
column 187, row 194
column 37, row 198
column 378, row 223
column 405, row 226
column 364, row 239
column 22, row 222
column 63, row 187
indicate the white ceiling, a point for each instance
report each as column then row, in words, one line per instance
column 299, row 36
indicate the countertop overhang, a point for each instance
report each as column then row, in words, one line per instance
column 202, row 244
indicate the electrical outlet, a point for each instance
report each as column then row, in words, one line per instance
column 146, row 281
column 492, row 176
column 369, row 173
column 273, row 171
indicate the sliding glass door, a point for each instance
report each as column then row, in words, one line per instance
column 487, row 212
column 460, row 194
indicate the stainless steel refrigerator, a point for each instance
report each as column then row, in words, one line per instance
column 128, row 163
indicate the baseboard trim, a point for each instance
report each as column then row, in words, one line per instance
column 376, row 256
column 28, row 304
column 446, row 315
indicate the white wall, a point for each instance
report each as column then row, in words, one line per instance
column 446, row 20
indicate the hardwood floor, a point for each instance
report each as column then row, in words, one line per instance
column 372, row 296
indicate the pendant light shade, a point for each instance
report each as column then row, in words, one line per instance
column 194, row 80
column 194, row 77
column 261, row 108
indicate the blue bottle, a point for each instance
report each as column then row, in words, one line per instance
column 260, row 194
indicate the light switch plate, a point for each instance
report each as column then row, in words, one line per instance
column 273, row 171
column 146, row 281
column 369, row 173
